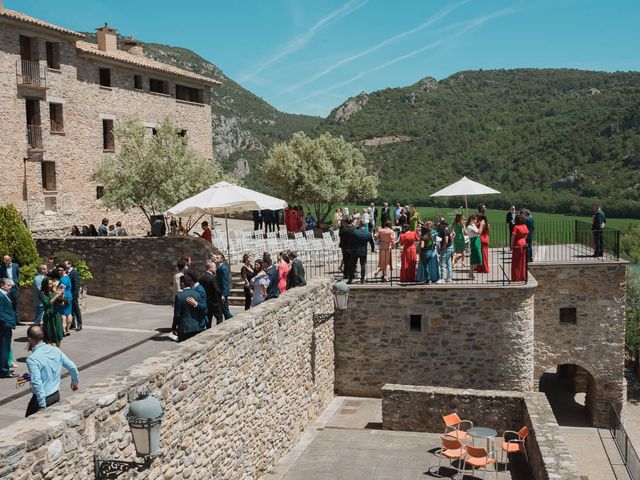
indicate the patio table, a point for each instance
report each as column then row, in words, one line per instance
column 483, row 432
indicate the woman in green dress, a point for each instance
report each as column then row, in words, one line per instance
column 459, row 242
column 474, row 230
column 52, row 297
column 415, row 220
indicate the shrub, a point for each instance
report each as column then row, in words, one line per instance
column 78, row 263
column 16, row 241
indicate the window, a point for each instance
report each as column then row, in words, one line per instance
column 105, row 77
column 137, row 82
column 50, row 204
column 48, row 175
column 188, row 94
column 53, row 55
column 99, row 192
column 568, row 315
column 415, row 323
column 158, row 86
column 55, row 114
column 108, row 143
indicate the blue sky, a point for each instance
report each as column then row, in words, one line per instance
column 306, row 56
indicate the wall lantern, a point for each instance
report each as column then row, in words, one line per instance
column 340, row 292
column 144, row 417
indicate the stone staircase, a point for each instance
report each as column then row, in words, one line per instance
column 236, row 297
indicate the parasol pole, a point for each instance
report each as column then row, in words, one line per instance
column 466, row 208
column 226, row 227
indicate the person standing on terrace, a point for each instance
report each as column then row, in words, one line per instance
column 459, row 240
column 474, row 230
column 518, row 250
column 387, row 238
column 408, row 241
column 597, row 227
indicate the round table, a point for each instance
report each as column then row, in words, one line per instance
column 483, row 432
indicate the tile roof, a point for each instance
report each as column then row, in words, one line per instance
column 21, row 17
column 143, row 62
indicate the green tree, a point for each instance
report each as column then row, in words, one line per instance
column 16, row 241
column 320, row 172
column 152, row 173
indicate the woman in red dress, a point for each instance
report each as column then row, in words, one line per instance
column 484, row 246
column 408, row 241
column 519, row 250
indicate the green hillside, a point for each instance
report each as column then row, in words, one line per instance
column 553, row 140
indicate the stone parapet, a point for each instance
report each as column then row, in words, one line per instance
column 236, row 397
column 457, row 337
column 420, row 408
column 137, row 269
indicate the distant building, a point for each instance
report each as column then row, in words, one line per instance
column 60, row 98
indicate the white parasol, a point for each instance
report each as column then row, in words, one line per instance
column 463, row 188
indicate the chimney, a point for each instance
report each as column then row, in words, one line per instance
column 132, row 46
column 106, row 38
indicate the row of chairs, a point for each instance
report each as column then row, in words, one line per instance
column 457, row 445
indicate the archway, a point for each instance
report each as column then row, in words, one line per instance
column 571, row 391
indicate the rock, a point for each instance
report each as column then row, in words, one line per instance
column 352, row 106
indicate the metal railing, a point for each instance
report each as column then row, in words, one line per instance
column 34, row 136
column 606, row 241
column 623, row 443
column 31, row 73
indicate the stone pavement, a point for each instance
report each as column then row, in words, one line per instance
column 115, row 336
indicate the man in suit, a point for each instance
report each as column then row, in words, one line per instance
column 7, row 325
column 296, row 276
column 257, row 219
column 361, row 237
column 224, row 283
column 74, row 276
column 528, row 220
column 188, row 309
column 511, row 221
column 37, row 286
column 597, row 227
column 385, row 216
column 272, row 272
column 200, row 289
column 214, row 297
column 374, row 215
column 346, row 236
column 10, row 269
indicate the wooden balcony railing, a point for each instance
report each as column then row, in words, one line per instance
column 34, row 136
column 31, row 74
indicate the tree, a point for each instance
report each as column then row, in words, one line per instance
column 321, row 172
column 152, row 173
column 16, row 241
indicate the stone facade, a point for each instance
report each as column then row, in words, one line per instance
column 420, row 409
column 137, row 269
column 78, row 148
column 595, row 342
column 236, row 399
column 478, row 337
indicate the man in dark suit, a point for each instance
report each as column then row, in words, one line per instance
column 272, row 272
column 188, row 309
column 257, row 219
column 10, row 269
column 346, row 237
column 74, row 276
column 511, row 221
column 385, row 216
column 224, row 283
column 214, row 297
column 374, row 214
column 296, row 276
column 361, row 237
column 7, row 325
column 597, row 228
column 528, row 220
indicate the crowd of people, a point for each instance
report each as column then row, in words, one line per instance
column 431, row 249
column 199, row 298
column 105, row 229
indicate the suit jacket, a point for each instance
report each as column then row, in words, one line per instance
column 7, row 315
column 360, row 240
column 187, row 320
column 74, row 276
column 224, row 282
column 346, row 236
column 209, row 282
column 15, row 277
column 296, row 277
column 386, row 215
column 510, row 219
column 272, row 290
column 375, row 214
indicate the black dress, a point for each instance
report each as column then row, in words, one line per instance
column 247, row 274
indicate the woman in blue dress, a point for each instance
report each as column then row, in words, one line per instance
column 428, row 270
column 65, row 308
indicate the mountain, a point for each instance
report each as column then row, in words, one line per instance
column 551, row 139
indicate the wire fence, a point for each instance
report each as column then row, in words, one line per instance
column 627, row 451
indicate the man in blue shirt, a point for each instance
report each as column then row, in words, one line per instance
column 45, row 366
column 37, row 286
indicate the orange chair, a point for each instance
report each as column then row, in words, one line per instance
column 452, row 450
column 478, row 458
column 513, row 442
column 453, row 427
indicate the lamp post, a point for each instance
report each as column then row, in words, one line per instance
column 144, row 418
column 340, row 292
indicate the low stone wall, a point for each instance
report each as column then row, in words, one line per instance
column 420, row 408
column 236, row 399
column 138, row 269
column 477, row 337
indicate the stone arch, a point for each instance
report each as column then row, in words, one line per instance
column 573, row 393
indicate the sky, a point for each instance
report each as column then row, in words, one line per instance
column 305, row 56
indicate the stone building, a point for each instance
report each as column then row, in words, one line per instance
column 60, row 98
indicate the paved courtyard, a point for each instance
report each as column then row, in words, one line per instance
column 116, row 335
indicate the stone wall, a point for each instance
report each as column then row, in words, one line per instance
column 596, row 341
column 138, row 269
column 476, row 337
column 236, row 399
column 420, row 409
column 78, row 149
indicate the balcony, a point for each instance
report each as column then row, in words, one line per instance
column 34, row 137
column 31, row 74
